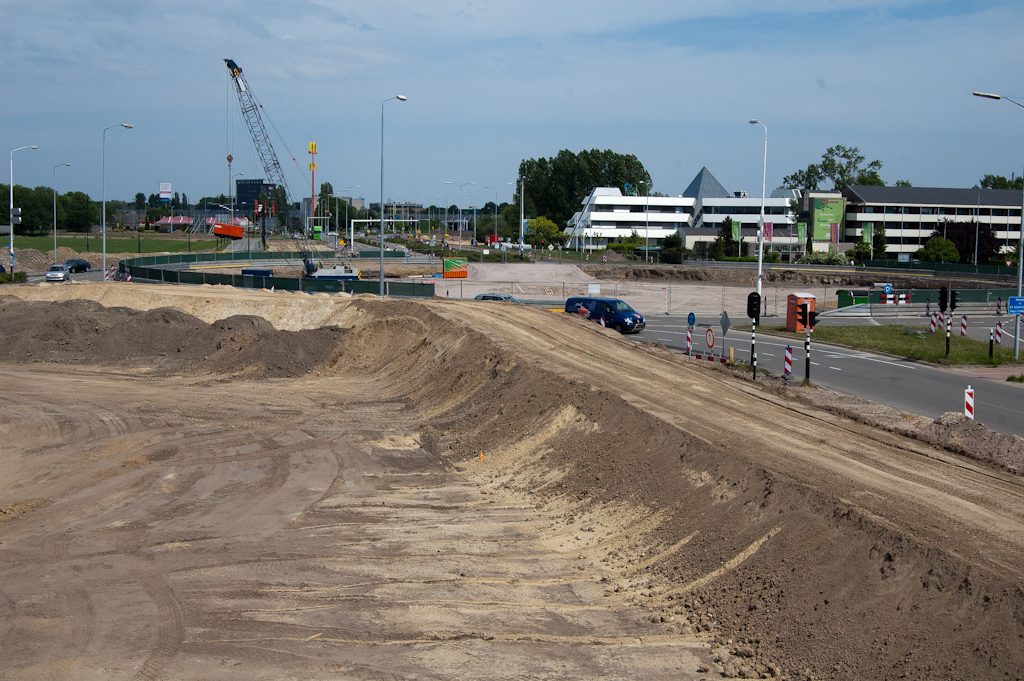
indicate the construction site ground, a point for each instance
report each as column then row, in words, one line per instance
column 203, row 482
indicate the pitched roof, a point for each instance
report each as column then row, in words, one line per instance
column 933, row 196
column 705, row 186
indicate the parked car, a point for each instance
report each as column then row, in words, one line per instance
column 78, row 265
column 59, row 272
column 497, row 296
column 610, row 312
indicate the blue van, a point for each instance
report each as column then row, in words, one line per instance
column 613, row 312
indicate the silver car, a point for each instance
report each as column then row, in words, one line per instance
column 61, row 272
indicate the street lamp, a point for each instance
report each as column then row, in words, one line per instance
column 11, row 207
column 103, row 221
column 647, row 213
column 400, row 98
column 59, row 165
column 495, row 212
column 460, row 186
column 760, row 219
column 1020, row 245
column 474, row 215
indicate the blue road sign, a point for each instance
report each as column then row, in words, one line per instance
column 691, row 318
column 1016, row 305
column 887, row 288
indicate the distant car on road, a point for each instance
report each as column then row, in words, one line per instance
column 498, row 296
column 59, row 272
column 611, row 312
column 78, row 265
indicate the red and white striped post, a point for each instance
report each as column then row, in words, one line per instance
column 787, row 367
column 999, row 304
column 969, row 403
column 689, row 341
column 932, row 326
column 963, row 325
column 999, row 333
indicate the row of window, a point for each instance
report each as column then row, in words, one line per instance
column 935, row 210
column 743, row 210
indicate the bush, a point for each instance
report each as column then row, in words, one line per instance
column 825, row 259
column 19, row 278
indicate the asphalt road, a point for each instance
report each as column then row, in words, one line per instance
column 905, row 384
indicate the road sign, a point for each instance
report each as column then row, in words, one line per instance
column 1016, row 305
column 709, row 338
column 726, row 324
column 691, row 319
column 887, row 288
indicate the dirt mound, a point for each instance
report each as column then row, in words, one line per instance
column 162, row 340
column 804, row 545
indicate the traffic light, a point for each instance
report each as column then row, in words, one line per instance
column 813, row 318
column 15, row 216
column 943, row 298
column 802, row 315
column 754, row 306
column 953, row 299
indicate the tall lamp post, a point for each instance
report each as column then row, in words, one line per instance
column 59, row 165
column 495, row 212
column 1020, row 245
column 11, row 207
column 351, row 237
column 103, row 220
column 647, row 214
column 400, row 98
column 760, row 219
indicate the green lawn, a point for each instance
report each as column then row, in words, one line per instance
column 115, row 244
column 895, row 340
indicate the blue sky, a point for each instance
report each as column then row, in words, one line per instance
column 490, row 83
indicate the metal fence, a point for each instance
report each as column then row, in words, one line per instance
column 148, row 268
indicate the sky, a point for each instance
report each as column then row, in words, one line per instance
column 673, row 82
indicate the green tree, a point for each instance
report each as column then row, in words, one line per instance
column 937, row 249
column 729, row 245
column 861, row 252
column 557, row 186
column 1000, row 182
column 140, row 201
column 718, row 250
column 673, row 243
column 543, row 231
column 903, row 183
column 79, row 212
column 879, row 245
column 842, row 165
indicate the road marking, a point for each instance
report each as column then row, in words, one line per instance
column 835, row 368
column 999, row 406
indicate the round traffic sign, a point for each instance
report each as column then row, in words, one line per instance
column 691, row 319
column 709, row 338
column 887, row 288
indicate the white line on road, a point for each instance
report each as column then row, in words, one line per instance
column 835, row 368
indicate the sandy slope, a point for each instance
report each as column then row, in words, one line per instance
column 634, row 516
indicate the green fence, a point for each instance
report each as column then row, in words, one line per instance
column 953, row 268
column 988, row 296
column 148, row 268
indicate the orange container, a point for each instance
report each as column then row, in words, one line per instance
column 794, row 301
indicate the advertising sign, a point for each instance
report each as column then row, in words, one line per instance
column 767, row 231
column 867, row 232
column 828, row 215
column 165, row 191
column 455, row 268
column 736, row 231
column 801, row 232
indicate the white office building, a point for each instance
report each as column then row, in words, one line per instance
column 696, row 215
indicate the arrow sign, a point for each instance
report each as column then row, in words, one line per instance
column 726, row 324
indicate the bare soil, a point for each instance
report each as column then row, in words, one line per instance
column 207, row 483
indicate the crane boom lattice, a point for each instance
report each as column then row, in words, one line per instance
column 251, row 113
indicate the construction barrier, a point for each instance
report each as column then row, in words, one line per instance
column 963, row 325
column 999, row 333
column 689, row 341
column 932, row 326
column 711, row 358
column 969, row 403
column 895, row 298
column 787, row 367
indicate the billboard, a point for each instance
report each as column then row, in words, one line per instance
column 828, row 216
column 455, row 268
column 165, row 191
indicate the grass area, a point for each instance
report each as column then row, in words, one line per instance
column 917, row 344
column 149, row 244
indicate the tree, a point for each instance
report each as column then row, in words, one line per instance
column 842, row 165
column 79, row 212
column 557, row 186
column 672, row 243
column 140, row 201
column 879, row 245
column 861, row 252
column 718, row 250
column 543, row 231
column 1000, row 182
column 903, row 183
column 962, row 235
column 937, row 249
column 730, row 247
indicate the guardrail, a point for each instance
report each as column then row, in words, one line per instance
column 148, row 268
